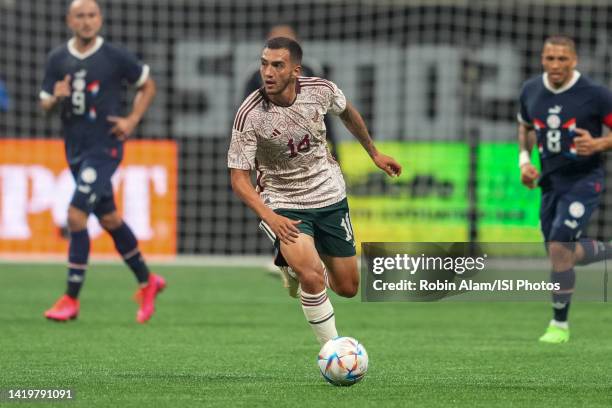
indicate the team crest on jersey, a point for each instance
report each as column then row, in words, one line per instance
column 94, row 87
column 553, row 121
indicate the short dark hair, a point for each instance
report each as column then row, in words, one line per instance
column 560, row 39
column 295, row 51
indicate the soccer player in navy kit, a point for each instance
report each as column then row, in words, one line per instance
column 565, row 112
column 84, row 79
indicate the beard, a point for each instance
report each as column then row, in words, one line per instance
column 89, row 36
column 280, row 87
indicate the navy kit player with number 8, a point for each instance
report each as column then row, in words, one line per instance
column 563, row 112
column 84, row 79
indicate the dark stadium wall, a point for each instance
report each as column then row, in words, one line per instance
column 419, row 71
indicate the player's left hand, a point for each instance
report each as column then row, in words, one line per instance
column 123, row 126
column 586, row 145
column 387, row 164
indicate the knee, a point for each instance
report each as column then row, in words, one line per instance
column 111, row 221
column 559, row 249
column 310, row 277
column 77, row 219
column 348, row 288
column 561, row 254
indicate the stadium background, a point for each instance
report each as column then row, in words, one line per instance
column 437, row 81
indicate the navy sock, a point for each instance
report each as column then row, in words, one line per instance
column 78, row 254
column 566, row 282
column 594, row 251
column 127, row 246
column 560, row 313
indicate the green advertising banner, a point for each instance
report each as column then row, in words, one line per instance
column 429, row 202
column 509, row 212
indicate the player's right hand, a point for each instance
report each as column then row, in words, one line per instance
column 285, row 229
column 387, row 164
column 529, row 175
column 62, row 88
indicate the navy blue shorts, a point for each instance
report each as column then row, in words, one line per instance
column 94, row 191
column 564, row 215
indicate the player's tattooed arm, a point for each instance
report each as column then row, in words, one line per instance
column 354, row 122
column 526, row 138
column 526, row 141
column 284, row 228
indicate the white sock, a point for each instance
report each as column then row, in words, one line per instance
column 320, row 314
column 561, row 325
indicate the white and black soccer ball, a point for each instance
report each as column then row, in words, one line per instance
column 343, row 361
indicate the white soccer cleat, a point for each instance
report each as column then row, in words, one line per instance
column 290, row 281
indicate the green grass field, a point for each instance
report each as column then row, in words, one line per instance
column 232, row 337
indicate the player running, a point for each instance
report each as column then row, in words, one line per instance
column 279, row 132
column 84, row 79
column 566, row 111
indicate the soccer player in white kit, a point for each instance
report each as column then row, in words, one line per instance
column 300, row 194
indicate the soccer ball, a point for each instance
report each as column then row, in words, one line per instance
column 343, row 361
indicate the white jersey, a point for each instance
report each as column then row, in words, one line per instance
column 288, row 148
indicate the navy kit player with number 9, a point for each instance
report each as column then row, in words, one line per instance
column 563, row 112
column 84, row 79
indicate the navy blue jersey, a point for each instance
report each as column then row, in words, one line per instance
column 555, row 114
column 97, row 82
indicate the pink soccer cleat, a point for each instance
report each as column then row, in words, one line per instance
column 146, row 297
column 66, row 308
